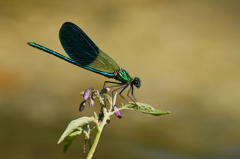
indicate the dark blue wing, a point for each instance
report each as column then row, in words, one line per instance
column 84, row 52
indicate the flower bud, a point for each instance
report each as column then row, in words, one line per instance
column 97, row 94
column 91, row 102
column 82, row 106
column 118, row 114
column 101, row 115
column 86, row 94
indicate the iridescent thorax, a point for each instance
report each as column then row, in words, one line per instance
column 123, row 76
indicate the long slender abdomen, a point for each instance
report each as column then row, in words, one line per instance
column 51, row 52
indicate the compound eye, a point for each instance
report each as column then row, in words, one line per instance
column 137, row 82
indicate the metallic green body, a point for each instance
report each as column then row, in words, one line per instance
column 124, row 77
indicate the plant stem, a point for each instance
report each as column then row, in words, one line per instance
column 89, row 143
column 94, row 145
column 99, row 127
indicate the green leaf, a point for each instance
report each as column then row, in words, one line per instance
column 145, row 108
column 92, row 128
column 74, row 126
column 68, row 140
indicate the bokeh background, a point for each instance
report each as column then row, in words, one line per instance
column 187, row 54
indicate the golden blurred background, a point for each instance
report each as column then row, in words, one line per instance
column 186, row 53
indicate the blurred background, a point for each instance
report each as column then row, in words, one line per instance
column 186, row 54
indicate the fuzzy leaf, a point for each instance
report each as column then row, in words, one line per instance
column 74, row 125
column 145, row 108
column 69, row 139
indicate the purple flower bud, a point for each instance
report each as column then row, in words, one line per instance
column 86, row 94
column 118, row 114
column 82, row 106
column 100, row 116
column 91, row 102
column 97, row 94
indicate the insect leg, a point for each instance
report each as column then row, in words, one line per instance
column 129, row 96
column 122, row 91
column 133, row 95
column 123, row 86
column 110, row 82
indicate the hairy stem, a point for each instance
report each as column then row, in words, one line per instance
column 99, row 127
